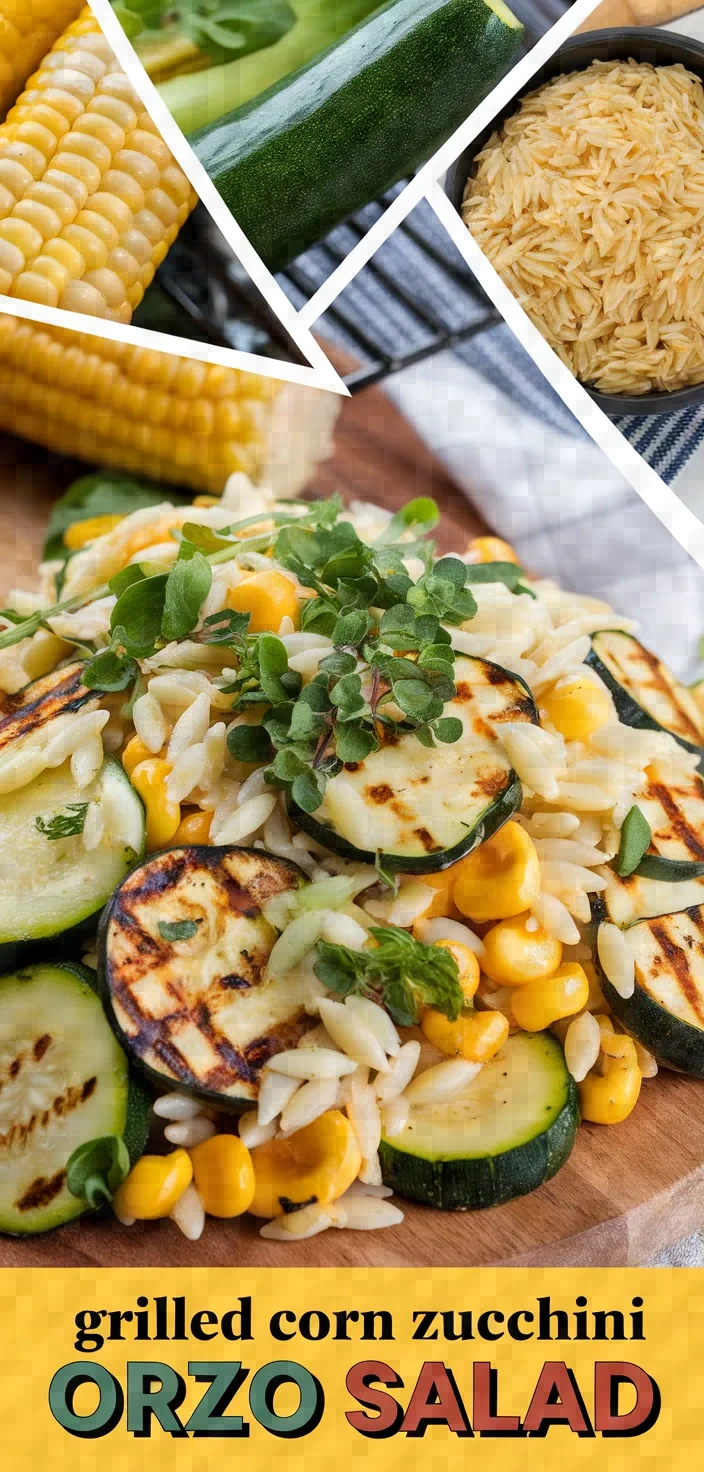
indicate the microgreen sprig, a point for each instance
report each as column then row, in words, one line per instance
column 399, row 972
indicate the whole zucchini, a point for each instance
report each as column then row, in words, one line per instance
column 299, row 158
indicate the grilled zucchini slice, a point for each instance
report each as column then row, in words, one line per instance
column 422, row 809
column 666, row 1010
column 508, row 1132
column 191, row 1004
column 673, row 804
column 47, row 886
column 644, row 691
column 61, row 693
column 63, row 1081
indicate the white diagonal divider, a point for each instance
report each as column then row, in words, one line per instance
column 320, row 373
column 414, row 191
column 661, row 500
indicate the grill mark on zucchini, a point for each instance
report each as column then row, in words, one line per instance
column 419, row 809
column 682, row 829
column 173, row 1001
column 41, row 1192
column 677, row 960
column 659, row 681
column 58, row 694
column 62, row 1105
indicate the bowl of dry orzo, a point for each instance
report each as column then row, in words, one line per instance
column 587, row 195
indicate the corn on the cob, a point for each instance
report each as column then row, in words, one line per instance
column 28, row 29
column 168, row 418
column 90, row 196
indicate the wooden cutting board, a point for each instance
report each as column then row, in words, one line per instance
column 626, row 1192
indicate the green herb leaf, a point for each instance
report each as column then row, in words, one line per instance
column 635, row 839
column 420, row 516
column 205, row 539
column 227, row 30
column 424, row 734
column 137, row 615
column 178, row 929
column 451, row 569
column 351, row 628
column 64, row 825
column 416, row 699
column 225, row 627
column 337, row 664
column 96, row 1169
column 306, row 724
column 187, row 588
column 354, row 742
column 125, row 578
column 319, row 615
column 249, row 744
column 347, row 696
column 110, row 671
column 448, row 729
column 308, row 789
column 273, row 665
column 399, row 972
column 495, row 572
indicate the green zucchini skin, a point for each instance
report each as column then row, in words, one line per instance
column 137, row 1104
column 302, row 156
column 671, row 1040
column 474, row 1185
column 630, row 712
column 139, row 1099
column 505, row 806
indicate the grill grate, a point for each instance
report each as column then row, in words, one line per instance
column 427, row 300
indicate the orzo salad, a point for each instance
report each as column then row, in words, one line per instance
column 334, row 873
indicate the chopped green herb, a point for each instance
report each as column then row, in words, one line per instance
column 64, row 825
column 400, row 973
column 178, row 929
column 635, row 840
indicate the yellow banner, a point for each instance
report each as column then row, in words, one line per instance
column 321, row 1369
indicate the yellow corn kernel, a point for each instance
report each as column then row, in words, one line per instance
column 540, row 1003
column 194, row 828
column 319, row 1161
column 268, row 597
column 76, row 115
column 577, row 708
column 82, row 532
column 153, row 1186
column 224, row 1175
column 477, row 1036
column 136, row 752
column 609, row 1093
column 500, row 878
column 467, row 965
column 28, row 32
column 606, row 1027
column 206, row 501
column 515, row 955
column 163, row 817
column 490, row 549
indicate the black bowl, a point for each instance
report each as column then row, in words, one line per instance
column 661, row 48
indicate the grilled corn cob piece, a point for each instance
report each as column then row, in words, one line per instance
column 90, row 196
column 168, row 418
column 28, row 29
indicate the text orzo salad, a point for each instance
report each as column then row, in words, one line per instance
column 339, row 869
